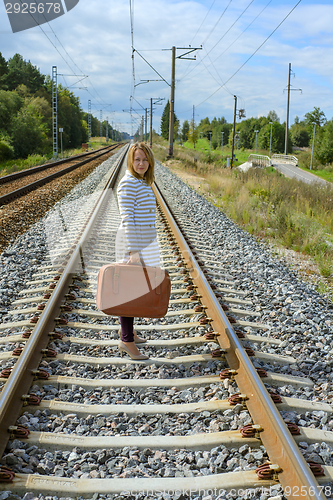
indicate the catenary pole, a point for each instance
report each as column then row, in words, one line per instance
column 287, row 117
column 151, row 122
column 172, row 101
column 233, row 134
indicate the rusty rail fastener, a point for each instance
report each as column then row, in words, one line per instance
column 293, row 428
column 240, row 334
column 275, row 396
column 30, row 399
column 55, row 335
column 211, row 335
column 251, row 430
column 5, row 372
column 217, row 353
column 18, row 431
column 261, row 372
column 227, row 373
column 49, row 353
column 237, row 398
column 316, row 469
column 26, row 334
column 40, row 374
column 6, row 474
column 268, row 471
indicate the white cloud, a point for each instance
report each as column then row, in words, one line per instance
column 97, row 37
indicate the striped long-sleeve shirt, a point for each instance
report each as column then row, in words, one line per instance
column 137, row 232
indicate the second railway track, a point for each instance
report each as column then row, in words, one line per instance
column 194, row 417
column 13, row 186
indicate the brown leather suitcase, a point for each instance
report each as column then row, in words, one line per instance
column 133, row 290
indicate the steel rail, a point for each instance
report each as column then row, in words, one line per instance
column 29, row 171
column 276, row 438
column 7, row 198
column 21, row 377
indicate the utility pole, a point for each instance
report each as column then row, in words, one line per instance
column 151, row 123
column 157, row 100
column 107, row 130
column 172, row 101
column 100, row 125
column 256, row 132
column 287, row 118
column 270, row 139
column 145, row 124
column 172, row 94
column 313, row 141
column 233, row 134
column 193, row 128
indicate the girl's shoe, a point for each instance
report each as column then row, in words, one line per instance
column 137, row 340
column 123, row 347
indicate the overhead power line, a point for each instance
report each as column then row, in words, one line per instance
column 248, row 59
column 212, row 48
column 231, row 44
column 217, row 22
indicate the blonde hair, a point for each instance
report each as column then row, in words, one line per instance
column 149, row 175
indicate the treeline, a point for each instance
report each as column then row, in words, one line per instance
column 269, row 128
column 26, row 112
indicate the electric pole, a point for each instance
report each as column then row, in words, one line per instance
column 172, row 94
column 100, row 125
column 287, row 118
column 172, row 101
column 193, row 128
column 146, row 124
column 157, row 100
column 151, row 123
column 233, row 134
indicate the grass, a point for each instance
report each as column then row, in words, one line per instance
column 205, row 152
column 287, row 212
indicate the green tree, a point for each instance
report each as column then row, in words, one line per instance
column 165, row 123
column 278, row 137
column 10, row 103
column 29, row 131
column 205, row 127
column 315, row 117
column 185, row 130
column 273, row 117
column 193, row 133
column 323, row 146
column 3, row 70
column 6, row 148
column 22, row 72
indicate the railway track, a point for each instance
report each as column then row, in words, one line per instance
column 17, row 184
column 197, row 416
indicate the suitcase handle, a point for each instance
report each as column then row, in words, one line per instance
column 158, row 289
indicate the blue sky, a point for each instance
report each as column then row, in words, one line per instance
column 96, row 37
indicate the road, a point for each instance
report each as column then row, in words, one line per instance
column 289, row 170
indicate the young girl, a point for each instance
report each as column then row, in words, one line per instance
column 136, row 240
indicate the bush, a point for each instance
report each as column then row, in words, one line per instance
column 6, row 149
